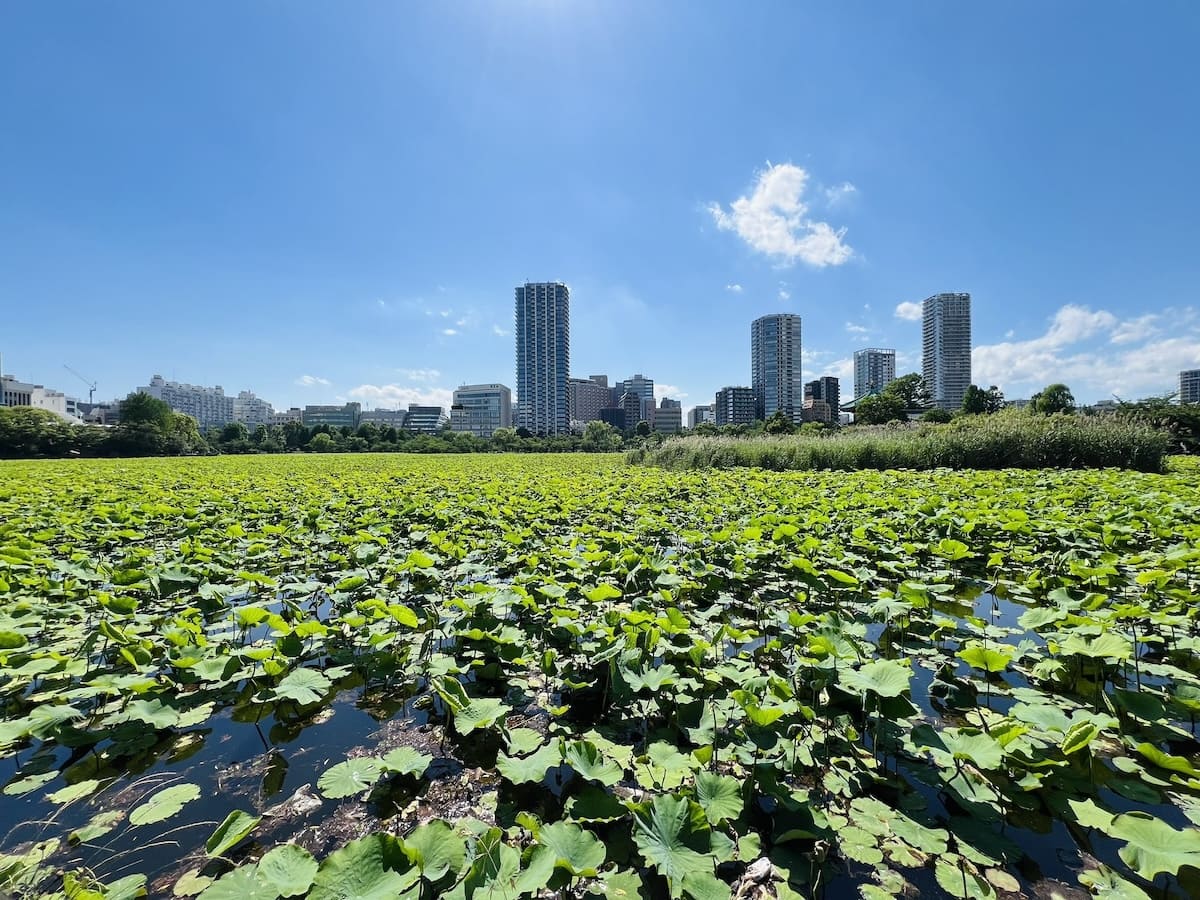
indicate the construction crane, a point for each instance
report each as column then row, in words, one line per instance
column 91, row 385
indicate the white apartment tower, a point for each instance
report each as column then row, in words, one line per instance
column 874, row 369
column 946, row 348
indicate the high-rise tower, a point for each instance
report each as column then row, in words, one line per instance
column 543, row 332
column 775, row 366
column 874, row 369
column 946, row 345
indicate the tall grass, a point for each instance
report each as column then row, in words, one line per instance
column 1008, row 440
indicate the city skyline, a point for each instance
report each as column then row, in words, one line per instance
column 349, row 230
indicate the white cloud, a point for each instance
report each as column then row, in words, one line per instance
column 843, row 370
column 785, row 295
column 668, row 390
column 397, row 395
column 312, row 381
column 1077, row 350
column 836, row 194
column 909, row 311
column 449, row 332
column 421, row 374
column 1138, row 329
column 855, row 328
column 773, row 220
column 1009, row 333
column 733, row 288
column 498, row 331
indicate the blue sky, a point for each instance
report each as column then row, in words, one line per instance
column 324, row 201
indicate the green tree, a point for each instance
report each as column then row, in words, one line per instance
column 877, row 409
column 779, row 423
column 600, row 437
column 322, row 443
column 911, row 390
column 938, row 415
column 1054, row 398
column 140, row 408
column 974, row 401
column 993, row 399
column 642, row 429
column 234, row 431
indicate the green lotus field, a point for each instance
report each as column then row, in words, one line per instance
column 494, row 677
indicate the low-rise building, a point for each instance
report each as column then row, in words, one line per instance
column 384, row 418
column 481, row 409
column 295, row 414
column 37, row 396
column 826, row 388
column 818, row 411
column 345, row 416
column 252, row 410
column 424, row 419
column 734, row 406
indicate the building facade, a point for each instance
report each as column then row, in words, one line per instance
column 946, row 348
column 254, row 411
column 21, row 393
column 543, row 338
column 633, row 408
column 735, row 406
column 480, row 409
column 874, row 369
column 295, row 414
column 1189, row 386
column 586, row 397
column 816, row 410
column 383, row 418
column 827, row 388
column 668, row 416
column 347, row 416
column 209, row 406
column 698, row 415
column 775, row 366
column 643, row 387
column 425, row 419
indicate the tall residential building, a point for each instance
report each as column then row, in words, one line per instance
column 1189, row 386
column 946, row 346
column 480, row 409
column 347, row 416
column 254, row 411
column 698, row 415
column 775, row 366
column 209, row 406
column 826, row 388
column 874, row 369
column 668, row 417
column 735, row 406
column 543, row 332
column 586, row 397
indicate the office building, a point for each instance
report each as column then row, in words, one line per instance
column 668, row 416
column 874, row 369
column 735, row 406
column 209, row 406
column 543, row 338
column 383, row 418
column 643, row 387
column 614, row 416
column 816, row 410
column 346, row 416
column 775, row 366
column 633, row 408
column 698, row 415
column 424, row 419
column 37, row 396
column 295, row 414
column 586, row 397
column 254, row 411
column 1189, row 386
column 946, row 348
column 827, row 389
column 480, row 409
